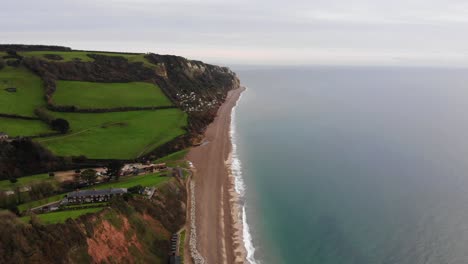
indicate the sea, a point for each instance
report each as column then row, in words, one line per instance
column 341, row 164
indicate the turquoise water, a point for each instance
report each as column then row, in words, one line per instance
column 355, row 164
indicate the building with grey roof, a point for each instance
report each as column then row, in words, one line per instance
column 92, row 196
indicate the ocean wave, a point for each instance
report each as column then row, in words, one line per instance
column 239, row 186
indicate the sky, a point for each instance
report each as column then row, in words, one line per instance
column 256, row 32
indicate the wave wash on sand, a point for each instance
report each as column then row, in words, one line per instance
column 235, row 167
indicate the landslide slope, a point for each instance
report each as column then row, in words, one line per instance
column 134, row 231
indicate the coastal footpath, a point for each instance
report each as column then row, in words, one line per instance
column 218, row 225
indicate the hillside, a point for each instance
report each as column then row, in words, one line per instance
column 123, row 106
column 97, row 122
column 137, row 231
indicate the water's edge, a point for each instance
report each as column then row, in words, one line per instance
column 239, row 186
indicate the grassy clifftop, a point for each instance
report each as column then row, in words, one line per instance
column 118, row 105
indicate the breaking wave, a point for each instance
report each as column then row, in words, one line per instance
column 239, row 186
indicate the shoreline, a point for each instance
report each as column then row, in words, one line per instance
column 218, row 227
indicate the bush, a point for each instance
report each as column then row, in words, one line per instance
column 60, row 125
column 41, row 190
column 135, row 189
column 2, row 63
column 89, row 175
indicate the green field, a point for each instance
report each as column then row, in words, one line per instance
column 176, row 156
column 34, row 204
column 20, row 127
column 29, row 95
column 109, row 95
column 148, row 180
column 26, row 181
column 83, row 56
column 176, row 159
column 61, row 216
column 119, row 135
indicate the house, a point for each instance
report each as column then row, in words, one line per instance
column 3, row 136
column 92, row 196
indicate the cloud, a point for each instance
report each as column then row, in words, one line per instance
column 261, row 31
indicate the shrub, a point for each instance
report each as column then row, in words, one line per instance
column 41, row 190
column 2, row 63
column 89, row 175
column 60, row 125
column 135, row 189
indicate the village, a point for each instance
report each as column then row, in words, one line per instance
column 96, row 187
column 86, row 198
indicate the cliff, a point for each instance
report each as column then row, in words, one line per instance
column 133, row 231
column 194, row 87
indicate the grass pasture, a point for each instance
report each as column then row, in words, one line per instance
column 29, row 94
column 61, row 216
column 83, row 56
column 109, row 95
column 148, row 180
column 118, row 135
column 20, row 127
column 176, row 159
column 37, row 203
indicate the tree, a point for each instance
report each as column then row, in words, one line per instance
column 60, row 125
column 89, row 175
column 114, row 168
column 41, row 190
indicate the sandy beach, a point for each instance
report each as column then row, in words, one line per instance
column 217, row 222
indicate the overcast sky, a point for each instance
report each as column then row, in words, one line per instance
column 369, row 32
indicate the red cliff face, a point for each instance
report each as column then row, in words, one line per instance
column 137, row 231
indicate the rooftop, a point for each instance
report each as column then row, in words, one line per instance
column 97, row 192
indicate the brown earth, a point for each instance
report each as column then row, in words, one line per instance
column 214, row 221
column 110, row 244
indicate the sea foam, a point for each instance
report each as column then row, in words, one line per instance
column 239, row 186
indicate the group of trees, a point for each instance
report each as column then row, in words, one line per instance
column 90, row 176
column 25, row 157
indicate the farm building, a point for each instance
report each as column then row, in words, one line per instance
column 92, row 196
column 3, row 136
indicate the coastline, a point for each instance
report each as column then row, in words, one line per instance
column 218, row 224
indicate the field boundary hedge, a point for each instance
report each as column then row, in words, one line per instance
column 74, row 109
column 15, row 116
